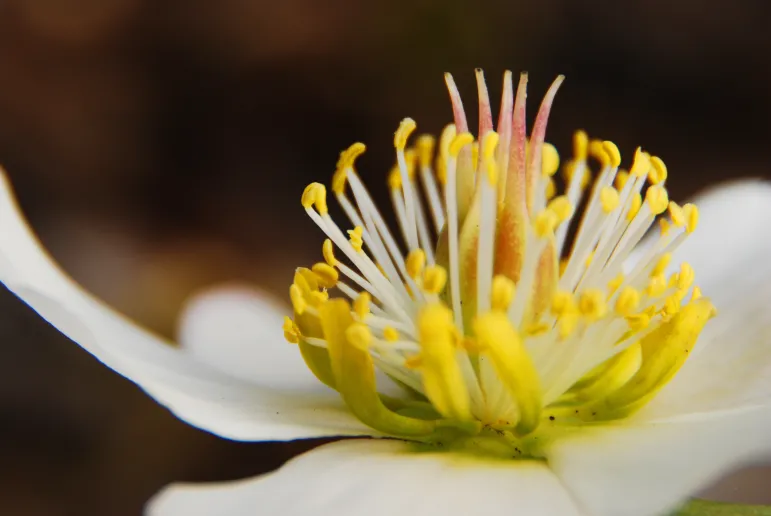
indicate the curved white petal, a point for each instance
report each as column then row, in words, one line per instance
column 239, row 331
column 730, row 367
column 193, row 390
column 648, row 469
column 378, row 478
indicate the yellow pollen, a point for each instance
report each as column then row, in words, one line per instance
column 613, row 154
column 291, row 331
column 328, row 251
column 627, row 301
column 317, row 298
column 415, row 262
column 458, row 142
column 661, row 265
column 390, row 334
column 658, row 173
column 327, row 275
column 622, row 176
column 657, row 198
column 349, row 155
column 315, row 194
column 544, row 223
column 406, row 127
column 609, row 199
column 550, row 190
column 664, row 226
column 361, row 305
column 686, row 277
column 425, row 146
column 615, row 283
column 641, row 164
column 592, row 305
column 502, row 293
column 634, row 209
column 339, row 179
column 550, row 160
column 410, row 159
column 395, row 178
column 580, row 145
column 597, row 151
column 638, row 322
column 413, row 362
column 676, row 214
column 298, row 300
column 691, row 213
column 656, row 286
column 434, row 279
column 359, row 336
column 562, row 302
column 696, row 294
column 356, row 238
column 536, row 328
column 561, row 207
column 671, row 306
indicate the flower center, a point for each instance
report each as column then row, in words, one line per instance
column 490, row 318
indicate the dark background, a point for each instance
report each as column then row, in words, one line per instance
column 160, row 146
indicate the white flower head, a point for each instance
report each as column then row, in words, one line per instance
column 526, row 352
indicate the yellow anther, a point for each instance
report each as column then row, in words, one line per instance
column 562, row 303
column 656, row 286
column 536, row 328
column 657, row 198
column 317, row 298
column 327, row 275
column 415, row 262
column 615, row 283
column 597, row 151
column 349, row 155
column 502, row 293
column 638, row 322
column 434, row 279
column 622, row 176
column 328, row 251
column 425, row 146
column 395, row 178
column 551, row 189
column 661, row 265
column 580, row 145
column 635, row 205
column 609, row 199
column 356, row 236
column 306, row 279
column 413, row 362
column 339, row 178
column 406, row 127
column 592, row 304
column 691, row 213
column 641, row 164
column 613, row 154
column 411, row 159
column 696, row 294
column 458, row 142
column 298, row 300
column 544, row 223
column 561, row 207
column 570, row 168
column 671, row 306
column 566, row 324
column 359, row 336
column 627, row 301
column 550, row 160
column 315, row 194
column 686, row 277
column 390, row 334
column 664, row 226
column 676, row 214
column 658, row 171
column 448, row 135
column 291, row 331
column 361, row 305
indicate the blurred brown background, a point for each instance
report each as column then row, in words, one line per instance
column 155, row 146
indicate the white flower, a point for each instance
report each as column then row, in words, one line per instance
column 534, row 390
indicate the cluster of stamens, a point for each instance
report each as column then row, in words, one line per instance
column 480, row 309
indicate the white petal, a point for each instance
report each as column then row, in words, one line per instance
column 648, row 469
column 239, row 331
column 193, row 390
column 730, row 367
column 378, row 478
